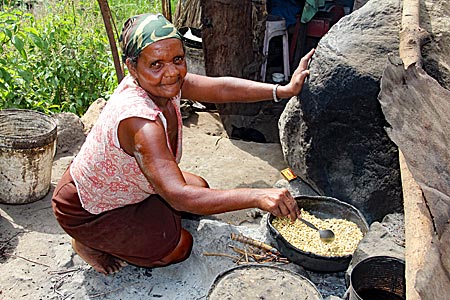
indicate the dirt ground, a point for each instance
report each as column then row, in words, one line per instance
column 37, row 261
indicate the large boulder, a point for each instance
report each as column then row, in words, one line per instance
column 92, row 114
column 434, row 18
column 333, row 134
column 70, row 134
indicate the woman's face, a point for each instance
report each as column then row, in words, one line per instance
column 161, row 68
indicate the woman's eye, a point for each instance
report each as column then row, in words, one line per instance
column 156, row 65
column 178, row 60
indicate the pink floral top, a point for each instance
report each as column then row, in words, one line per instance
column 105, row 176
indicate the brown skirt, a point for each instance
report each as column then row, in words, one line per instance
column 140, row 233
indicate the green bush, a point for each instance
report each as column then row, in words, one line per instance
column 58, row 57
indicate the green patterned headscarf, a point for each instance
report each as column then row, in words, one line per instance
column 142, row 30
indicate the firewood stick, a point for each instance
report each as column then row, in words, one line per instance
column 221, row 254
column 255, row 256
column 246, row 240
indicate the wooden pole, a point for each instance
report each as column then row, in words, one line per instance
column 418, row 224
column 412, row 36
column 166, row 9
column 106, row 14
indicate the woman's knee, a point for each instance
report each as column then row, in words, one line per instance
column 185, row 245
column 181, row 252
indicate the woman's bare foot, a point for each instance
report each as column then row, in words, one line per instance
column 102, row 262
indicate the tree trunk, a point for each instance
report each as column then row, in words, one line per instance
column 166, row 9
column 227, row 36
column 233, row 32
column 188, row 14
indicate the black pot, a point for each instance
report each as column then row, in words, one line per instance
column 323, row 208
column 189, row 42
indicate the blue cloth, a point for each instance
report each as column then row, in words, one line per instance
column 288, row 9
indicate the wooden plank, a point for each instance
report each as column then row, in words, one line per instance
column 188, row 14
column 418, row 228
column 416, row 107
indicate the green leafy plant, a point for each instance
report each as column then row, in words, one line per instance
column 58, row 57
column 53, row 65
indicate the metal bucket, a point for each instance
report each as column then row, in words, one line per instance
column 27, row 148
column 378, row 277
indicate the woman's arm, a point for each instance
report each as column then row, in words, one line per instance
column 146, row 141
column 232, row 89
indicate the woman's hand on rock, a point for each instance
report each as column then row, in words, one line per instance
column 294, row 87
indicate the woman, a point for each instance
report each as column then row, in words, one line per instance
column 121, row 198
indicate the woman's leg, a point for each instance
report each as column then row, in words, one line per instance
column 101, row 261
column 145, row 234
column 183, row 249
column 69, row 212
column 180, row 253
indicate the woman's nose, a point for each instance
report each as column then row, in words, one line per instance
column 171, row 70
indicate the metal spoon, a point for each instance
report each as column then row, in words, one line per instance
column 327, row 236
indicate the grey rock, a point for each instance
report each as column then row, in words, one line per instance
column 64, row 255
column 297, row 187
column 383, row 239
column 358, row 4
column 92, row 114
column 329, row 284
column 70, row 134
column 333, row 134
column 436, row 61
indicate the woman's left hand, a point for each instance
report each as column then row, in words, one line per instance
column 294, row 87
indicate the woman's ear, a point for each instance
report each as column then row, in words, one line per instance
column 131, row 67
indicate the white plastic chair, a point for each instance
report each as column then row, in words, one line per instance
column 276, row 26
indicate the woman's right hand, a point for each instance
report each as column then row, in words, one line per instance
column 295, row 85
column 278, row 202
